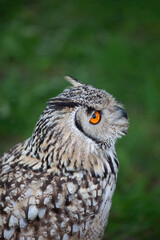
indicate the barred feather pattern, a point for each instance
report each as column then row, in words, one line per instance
column 59, row 183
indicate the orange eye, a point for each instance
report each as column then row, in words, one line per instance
column 95, row 118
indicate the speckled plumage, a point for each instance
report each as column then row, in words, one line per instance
column 59, row 183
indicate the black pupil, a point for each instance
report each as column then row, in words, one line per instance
column 94, row 116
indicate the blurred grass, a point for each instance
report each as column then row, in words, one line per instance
column 111, row 44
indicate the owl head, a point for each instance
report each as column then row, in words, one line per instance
column 91, row 113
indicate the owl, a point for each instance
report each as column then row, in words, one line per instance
column 59, row 183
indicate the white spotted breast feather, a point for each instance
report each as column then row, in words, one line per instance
column 59, row 183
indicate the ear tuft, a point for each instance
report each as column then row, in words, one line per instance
column 74, row 81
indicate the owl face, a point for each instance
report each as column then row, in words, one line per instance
column 91, row 113
column 103, row 124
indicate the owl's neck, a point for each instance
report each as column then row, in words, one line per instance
column 64, row 153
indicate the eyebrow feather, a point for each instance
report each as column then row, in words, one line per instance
column 60, row 103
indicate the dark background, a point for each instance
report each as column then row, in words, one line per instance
column 114, row 45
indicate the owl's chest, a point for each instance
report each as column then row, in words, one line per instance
column 108, row 191
column 91, row 204
column 91, row 198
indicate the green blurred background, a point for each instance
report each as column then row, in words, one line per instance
column 114, row 45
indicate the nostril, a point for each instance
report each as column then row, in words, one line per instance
column 123, row 112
